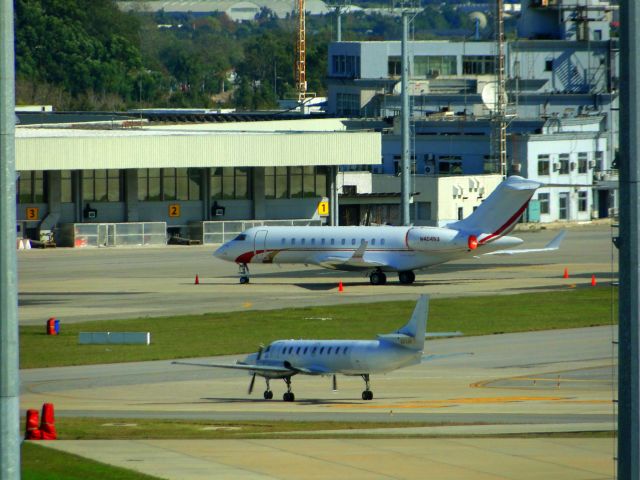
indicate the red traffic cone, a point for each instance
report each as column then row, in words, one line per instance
column 47, row 421
column 566, row 273
column 593, row 281
column 197, row 282
column 340, row 287
column 32, row 432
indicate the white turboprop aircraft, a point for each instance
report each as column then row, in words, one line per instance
column 286, row 358
column 391, row 249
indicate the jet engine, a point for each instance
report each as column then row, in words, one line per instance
column 439, row 239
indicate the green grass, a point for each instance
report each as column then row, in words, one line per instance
column 41, row 463
column 241, row 332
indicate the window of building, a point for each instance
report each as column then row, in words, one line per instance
column 229, row 183
column 478, row 64
column 101, row 186
column 157, row 184
column 346, row 66
column 66, row 186
column 564, row 163
column 583, row 162
column 543, row 164
column 394, row 66
column 582, row 201
column 307, row 182
column 450, row 164
column 543, row 198
column 348, row 104
column 31, row 187
column 275, row 182
column 563, row 206
column 548, row 65
column 599, row 161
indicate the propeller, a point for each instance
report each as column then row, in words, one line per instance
column 253, row 377
column 334, row 384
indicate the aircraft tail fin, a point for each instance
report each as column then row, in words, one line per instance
column 499, row 213
column 412, row 335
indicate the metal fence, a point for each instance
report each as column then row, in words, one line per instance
column 112, row 234
column 219, row 232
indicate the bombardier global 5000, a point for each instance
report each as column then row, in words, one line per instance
column 283, row 359
column 381, row 249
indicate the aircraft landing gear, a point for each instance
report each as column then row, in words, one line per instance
column 243, row 271
column 406, row 277
column 377, row 277
column 268, row 394
column 367, row 394
column 288, row 395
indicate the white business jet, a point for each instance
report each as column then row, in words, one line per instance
column 391, row 249
column 285, row 358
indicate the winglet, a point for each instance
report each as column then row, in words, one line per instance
column 359, row 253
column 557, row 240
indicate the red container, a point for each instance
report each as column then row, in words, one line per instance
column 32, row 432
column 47, row 426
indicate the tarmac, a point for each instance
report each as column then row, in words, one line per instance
column 513, row 384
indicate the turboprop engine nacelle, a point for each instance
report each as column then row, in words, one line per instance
column 439, row 239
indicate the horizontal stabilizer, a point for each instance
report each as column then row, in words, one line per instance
column 240, row 366
column 442, row 334
column 549, row 247
column 433, row 356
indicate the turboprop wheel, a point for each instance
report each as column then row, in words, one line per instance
column 244, row 280
column 367, row 395
column 288, row 397
column 268, row 394
column 407, row 277
column 377, row 278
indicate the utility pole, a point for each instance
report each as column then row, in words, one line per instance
column 629, row 259
column 9, row 366
column 499, row 113
column 301, row 60
column 405, row 171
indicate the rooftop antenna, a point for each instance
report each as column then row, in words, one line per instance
column 499, row 104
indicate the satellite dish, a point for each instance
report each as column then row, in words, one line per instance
column 479, row 18
column 489, row 96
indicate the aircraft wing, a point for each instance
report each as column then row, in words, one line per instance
column 241, row 366
column 549, row 247
column 356, row 261
column 313, row 370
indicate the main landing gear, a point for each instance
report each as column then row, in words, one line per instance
column 367, row 394
column 407, row 277
column 377, row 277
column 288, row 395
column 268, row 394
column 243, row 271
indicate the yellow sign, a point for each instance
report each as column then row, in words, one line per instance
column 33, row 213
column 323, row 209
column 174, row 210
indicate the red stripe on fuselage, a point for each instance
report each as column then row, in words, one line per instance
column 247, row 256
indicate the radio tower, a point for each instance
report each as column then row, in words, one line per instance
column 498, row 117
column 301, row 62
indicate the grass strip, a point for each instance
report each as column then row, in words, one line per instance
column 211, row 334
column 41, row 463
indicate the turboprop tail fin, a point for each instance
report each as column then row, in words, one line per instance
column 412, row 334
column 499, row 213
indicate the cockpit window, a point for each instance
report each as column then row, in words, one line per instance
column 240, row 237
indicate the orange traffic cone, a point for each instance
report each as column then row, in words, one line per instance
column 197, row 282
column 340, row 287
column 32, row 432
column 593, row 281
column 47, row 427
column 566, row 273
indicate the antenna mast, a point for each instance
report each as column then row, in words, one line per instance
column 498, row 118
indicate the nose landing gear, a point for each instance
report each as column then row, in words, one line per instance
column 243, row 271
column 367, row 394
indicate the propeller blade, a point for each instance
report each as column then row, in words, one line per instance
column 253, row 379
column 335, row 384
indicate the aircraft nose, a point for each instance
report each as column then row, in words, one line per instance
column 222, row 252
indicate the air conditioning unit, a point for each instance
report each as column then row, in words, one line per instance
column 429, row 170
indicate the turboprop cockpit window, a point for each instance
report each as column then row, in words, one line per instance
column 240, row 237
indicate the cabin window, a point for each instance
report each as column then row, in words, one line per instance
column 329, row 351
column 321, row 350
column 353, row 241
column 382, row 241
column 293, row 241
column 322, row 241
column 305, row 350
column 290, row 350
column 344, row 241
column 313, row 350
column 302, row 241
column 362, row 240
column 298, row 351
column 373, row 241
column 313, row 241
column 333, row 241
column 283, row 241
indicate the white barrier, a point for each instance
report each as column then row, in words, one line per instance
column 114, row 338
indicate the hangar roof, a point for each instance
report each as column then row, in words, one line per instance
column 78, row 149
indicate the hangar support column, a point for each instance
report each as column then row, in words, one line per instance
column 131, row 195
column 257, row 180
column 54, row 200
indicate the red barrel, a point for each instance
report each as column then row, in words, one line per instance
column 32, row 432
column 51, row 326
column 47, row 426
